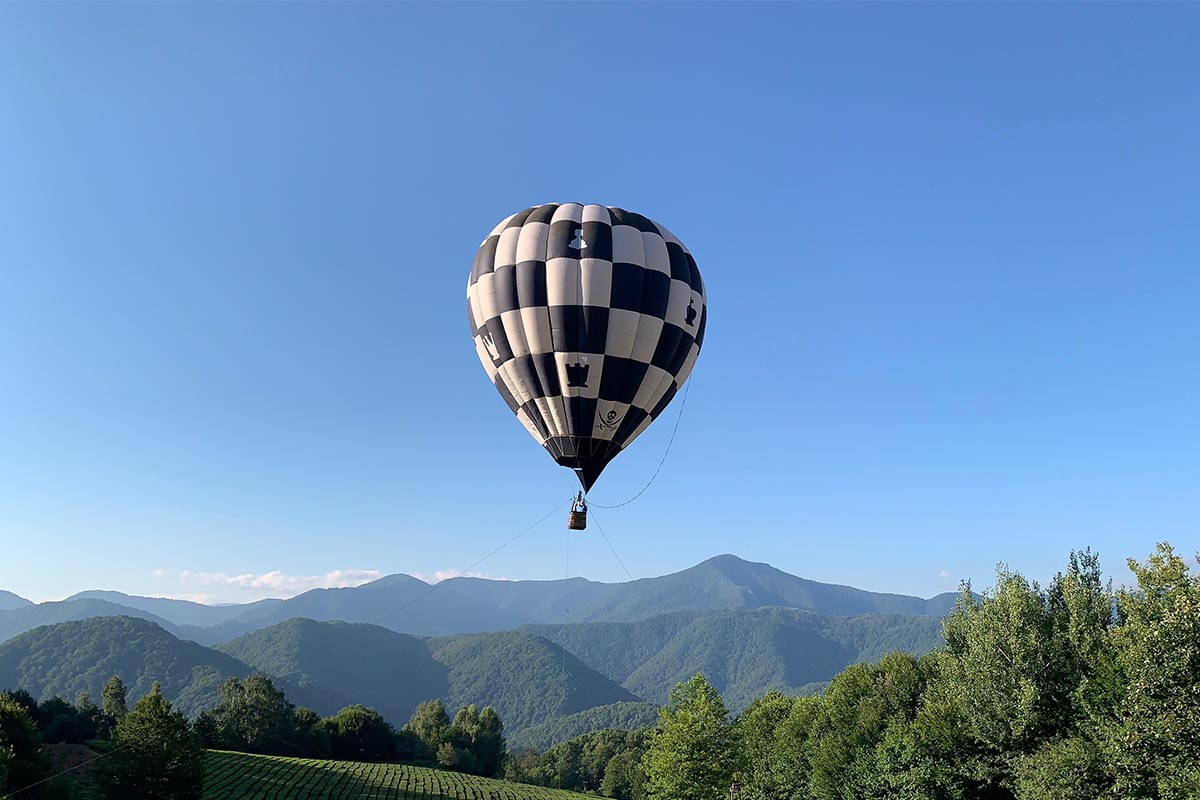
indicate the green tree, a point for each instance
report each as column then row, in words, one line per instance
column 254, row 717
column 1064, row 769
column 490, row 746
column 155, row 755
column 623, row 776
column 430, row 723
column 89, row 714
column 1153, row 745
column 358, row 733
column 312, row 737
column 690, row 755
column 862, row 706
column 59, row 721
column 463, row 733
column 206, row 727
column 1021, row 668
column 772, row 734
column 113, row 702
column 20, row 746
column 448, row 755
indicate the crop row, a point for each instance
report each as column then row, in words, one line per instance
column 239, row 776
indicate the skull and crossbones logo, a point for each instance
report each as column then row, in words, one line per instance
column 610, row 420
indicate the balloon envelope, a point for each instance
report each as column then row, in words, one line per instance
column 588, row 320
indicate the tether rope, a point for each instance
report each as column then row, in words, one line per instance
column 613, row 550
column 682, row 404
column 16, row 793
column 463, row 571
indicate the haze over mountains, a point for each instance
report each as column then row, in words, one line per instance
column 475, row 605
column 9, row 600
column 555, row 658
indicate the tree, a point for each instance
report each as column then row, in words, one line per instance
column 863, row 705
column 430, row 723
column 623, row 777
column 312, row 738
column 207, row 728
column 358, row 733
column 156, row 756
column 1021, row 668
column 113, row 701
column 448, row 755
column 254, row 717
column 20, row 746
column 772, row 735
column 60, row 721
column 1064, row 769
column 490, row 746
column 690, row 755
column 478, row 739
column 1154, row 745
column 113, row 706
column 88, row 712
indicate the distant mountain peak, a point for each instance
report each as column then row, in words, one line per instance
column 9, row 600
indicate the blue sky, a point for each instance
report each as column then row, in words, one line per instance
column 951, row 254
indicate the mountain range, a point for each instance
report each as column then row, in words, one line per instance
column 477, row 605
column 9, row 600
column 555, row 658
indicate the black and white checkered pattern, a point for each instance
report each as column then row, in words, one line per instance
column 588, row 320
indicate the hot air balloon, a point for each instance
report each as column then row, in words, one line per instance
column 587, row 319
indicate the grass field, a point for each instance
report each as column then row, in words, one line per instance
column 238, row 776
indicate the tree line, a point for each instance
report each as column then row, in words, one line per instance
column 1071, row 692
column 149, row 751
column 1075, row 691
column 154, row 752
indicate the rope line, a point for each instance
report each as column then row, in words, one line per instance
column 437, row 585
column 683, row 404
column 10, row 795
column 613, row 550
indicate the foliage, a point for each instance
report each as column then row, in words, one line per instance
column 527, row 679
column 1037, row 695
column 115, row 703
column 1153, row 744
column 623, row 716
column 690, row 754
column 254, row 717
column 72, row 657
column 313, row 656
column 430, row 725
column 155, row 755
column 358, row 733
column 21, row 757
column 482, row 735
column 772, row 737
column 608, row 762
column 312, row 737
column 741, row 652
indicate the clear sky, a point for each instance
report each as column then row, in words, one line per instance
column 952, row 254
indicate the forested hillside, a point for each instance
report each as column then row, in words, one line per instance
column 527, row 679
column 351, row 662
column 623, row 716
column 80, row 656
column 743, row 653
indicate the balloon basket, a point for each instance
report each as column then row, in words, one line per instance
column 577, row 519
